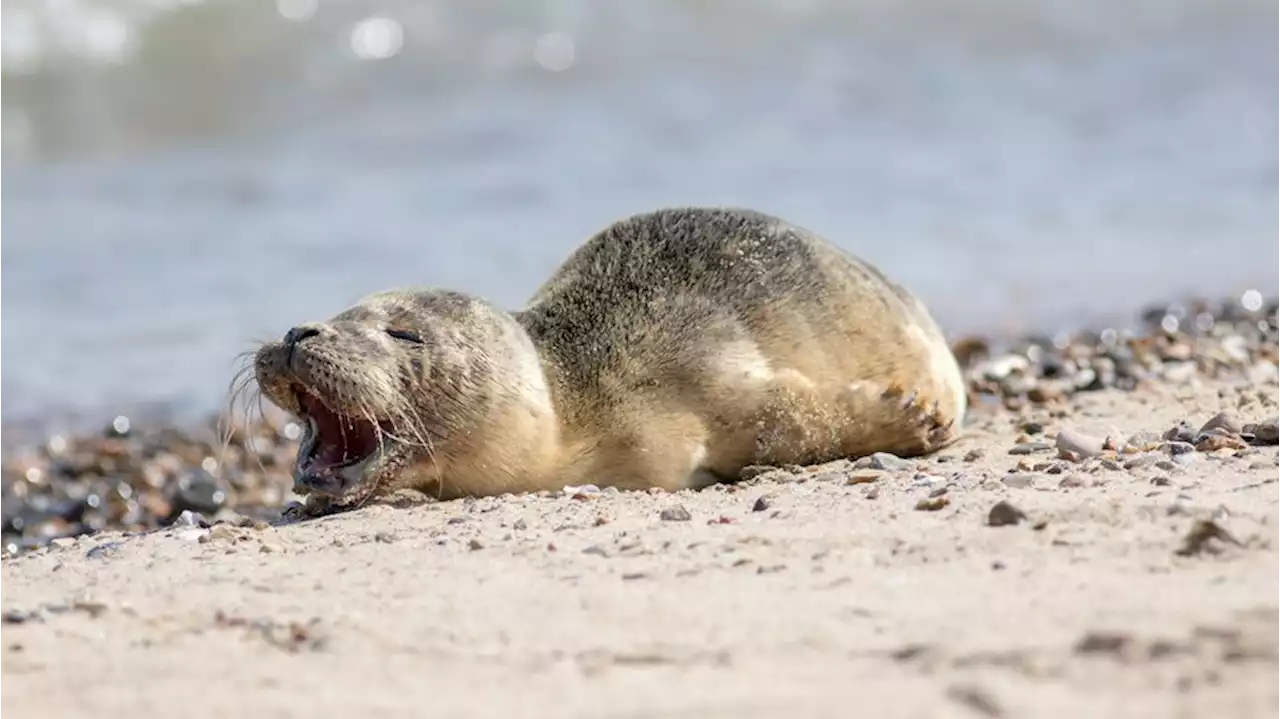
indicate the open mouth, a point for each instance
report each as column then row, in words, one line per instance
column 338, row 442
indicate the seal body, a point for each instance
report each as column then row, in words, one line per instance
column 670, row 350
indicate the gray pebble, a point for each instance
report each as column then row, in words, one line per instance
column 1178, row 447
column 763, row 503
column 1221, row 421
column 884, row 461
column 1030, row 447
column 1003, row 514
column 1179, row 371
column 104, row 550
column 1267, row 433
column 1018, row 481
column 189, row 518
column 675, row 513
column 1141, row 461
column 1079, row 444
column 1181, row 432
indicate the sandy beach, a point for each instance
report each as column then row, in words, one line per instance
column 1138, row 582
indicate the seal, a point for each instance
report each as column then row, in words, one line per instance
column 670, row 350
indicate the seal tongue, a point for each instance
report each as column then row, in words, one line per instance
column 339, row 440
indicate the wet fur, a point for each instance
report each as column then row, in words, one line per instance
column 670, row 350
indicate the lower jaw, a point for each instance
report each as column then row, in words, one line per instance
column 332, row 483
column 329, row 484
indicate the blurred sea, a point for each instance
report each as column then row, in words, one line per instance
column 182, row 178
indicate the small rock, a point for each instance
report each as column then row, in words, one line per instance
column 1078, row 444
column 1214, row 442
column 199, row 491
column 1033, row 428
column 1266, row 433
column 1030, row 447
column 933, row 504
column 763, row 503
column 1200, row 537
column 596, row 550
column 675, row 513
column 925, row 481
column 1018, row 481
column 92, row 607
column 977, row 699
column 1142, row 442
column 1075, row 481
column 1177, row 447
column 1178, row 372
column 974, row 455
column 474, row 544
column 63, row 542
column 755, row 470
column 584, row 492
column 188, row 518
column 863, row 476
column 1221, row 421
column 1181, row 432
column 1102, row 643
column 885, row 461
column 1140, row 461
column 17, row 616
column 1161, row 481
column 221, row 532
column 104, row 550
column 1003, row 514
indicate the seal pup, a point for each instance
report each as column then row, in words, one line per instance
column 671, row 349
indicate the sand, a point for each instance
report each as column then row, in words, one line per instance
column 824, row 599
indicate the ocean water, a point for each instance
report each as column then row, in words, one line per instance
column 184, row 178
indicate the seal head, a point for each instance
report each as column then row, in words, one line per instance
column 393, row 388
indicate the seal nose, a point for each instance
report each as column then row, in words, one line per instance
column 299, row 333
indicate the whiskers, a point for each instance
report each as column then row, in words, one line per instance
column 406, row 427
column 244, row 397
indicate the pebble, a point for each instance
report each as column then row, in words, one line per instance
column 1141, row 461
column 104, row 550
column 933, row 504
column 1018, row 481
column 675, row 513
column 1222, row 421
column 1030, row 448
column 885, row 462
column 762, row 503
column 863, row 476
column 1081, row 445
column 1266, row 432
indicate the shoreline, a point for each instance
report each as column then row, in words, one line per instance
column 137, row 475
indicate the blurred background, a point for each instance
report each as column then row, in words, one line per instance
column 184, row 177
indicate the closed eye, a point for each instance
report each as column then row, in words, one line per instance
column 405, row 335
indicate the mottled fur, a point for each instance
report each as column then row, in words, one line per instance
column 670, row 350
